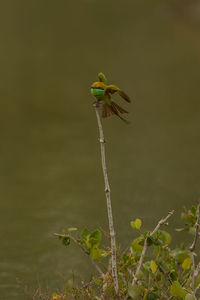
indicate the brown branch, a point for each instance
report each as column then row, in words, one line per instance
column 192, row 248
column 197, row 225
column 81, row 246
column 108, row 199
column 161, row 222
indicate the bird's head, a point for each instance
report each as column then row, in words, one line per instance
column 98, row 89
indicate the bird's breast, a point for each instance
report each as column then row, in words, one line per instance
column 97, row 92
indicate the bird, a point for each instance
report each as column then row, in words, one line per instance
column 103, row 94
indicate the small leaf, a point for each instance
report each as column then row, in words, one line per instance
column 197, row 281
column 146, row 266
column 179, row 254
column 136, row 244
column 69, row 286
column 165, row 237
column 84, row 233
column 193, row 210
column 151, row 296
column 66, row 241
column 134, row 291
column 158, row 242
column 190, row 297
column 149, row 241
column 180, row 229
column 136, row 224
column 95, row 238
column 177, row 290
column 153, row 266
column 186, row 263
column 97, row 253
column 173, row 275
column 72, row 229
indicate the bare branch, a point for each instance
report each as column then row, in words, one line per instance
column 192, row 248
column 197, row 225
column 108, row 199
column 162, row 222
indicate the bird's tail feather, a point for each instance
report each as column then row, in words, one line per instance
column 118, row 108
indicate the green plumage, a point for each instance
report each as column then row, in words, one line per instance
column 103, row 93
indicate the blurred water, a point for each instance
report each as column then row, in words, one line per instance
column 50, row 172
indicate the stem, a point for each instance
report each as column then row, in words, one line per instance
column 193, row 246
column 108, row 200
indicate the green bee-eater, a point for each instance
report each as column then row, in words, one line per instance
column 102, row 92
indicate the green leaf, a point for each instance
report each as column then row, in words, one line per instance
column 186, row 263
column 153, row 266
column 193, row 210
column 173, row 275
column 136, row 244
column 84, row 233
column 180, row 229
column 72, row 229
column 151, row 296
column 136, row 224
column 197, row 281
column 69, row 286
column 190, row 297
column 146, row 266
column 158, row 242
column 97, row 253
column 66, row 241
column 54, row 296
column 165, row 237
column 179, row 254
column 176, row 290
column 150, row 241
column 95, row 238
column 134, row 291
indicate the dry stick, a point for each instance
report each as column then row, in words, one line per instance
column 193, row 245
column 109, row 207
column 161, row 222
column 197, row 225
column 77, row 243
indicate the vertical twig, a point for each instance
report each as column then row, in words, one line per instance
column 192, row 248
column 109, row 207
column 197, row 225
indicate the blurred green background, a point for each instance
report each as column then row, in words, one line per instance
column 50, row 171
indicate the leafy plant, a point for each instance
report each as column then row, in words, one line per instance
column 149, row 269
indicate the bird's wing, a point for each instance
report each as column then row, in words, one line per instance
column 124, row 96
column 111, row 89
